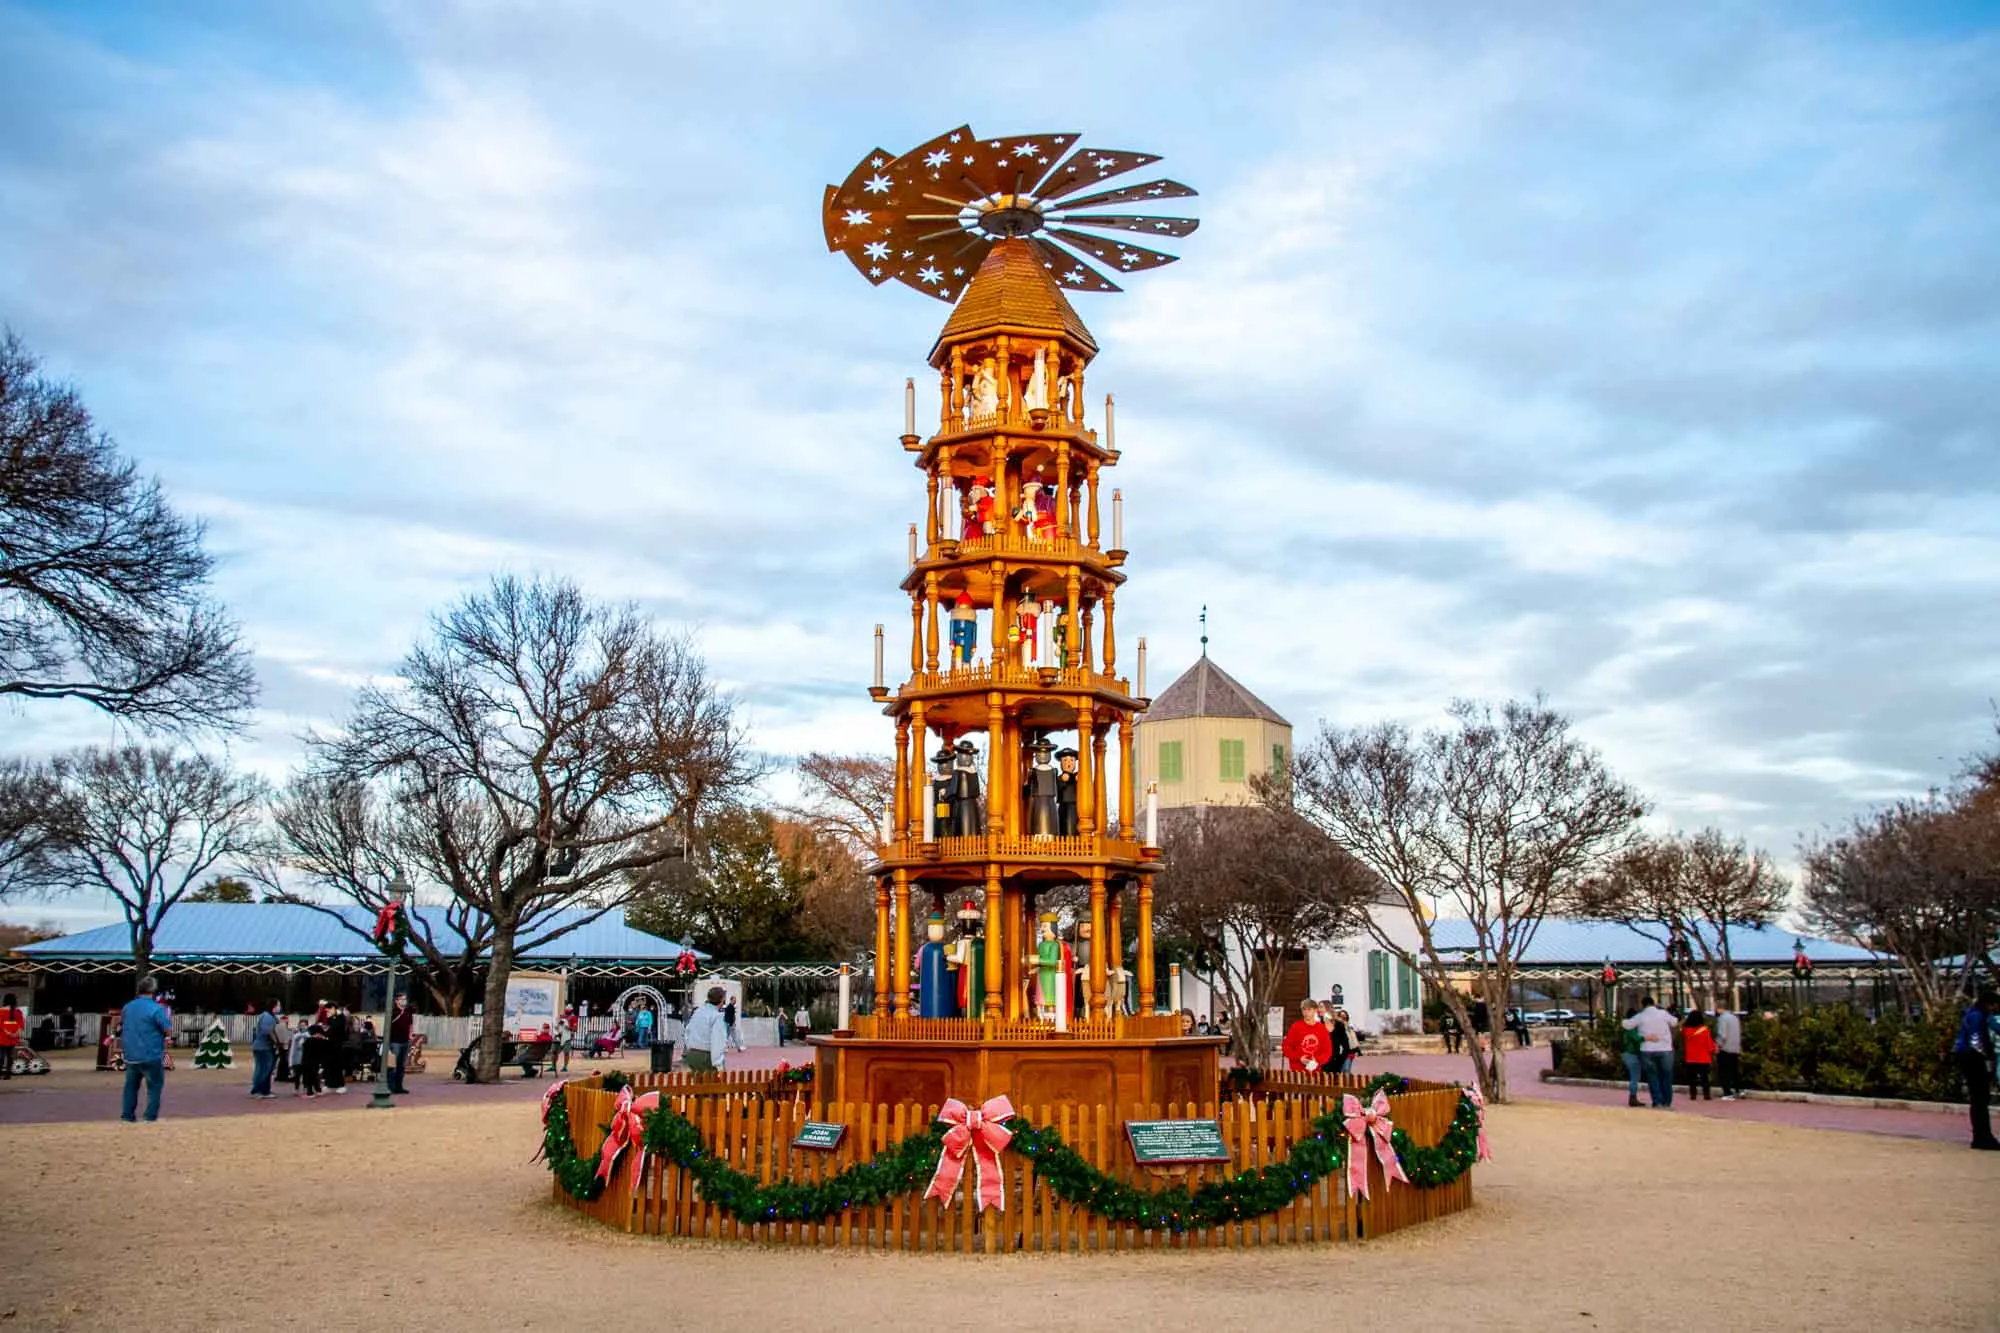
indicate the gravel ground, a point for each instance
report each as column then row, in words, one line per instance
column 1592, row 1218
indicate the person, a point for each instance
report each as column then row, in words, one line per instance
column 281, row 1045
column 1453, row 1033
column 1628, row 1052
column 298, row 1056
column 12, row 1024
column 264, row 1052
column 401, row 1024
column 333, row 1062
column 1972, row 1052
column 732, row 1031
column 1188, row 1028
column 1655, row 1027
column 707, row 1034
column 1698, row 1054
column 802, row 1023
column 1340, row 1029
column 1517, row 1023
column 1307, row 1045
column 1729, row 1054
column 313, row 1058
column 143, row 1028
column 1204, row 1027
column 642, row 1026
column 606, row 1043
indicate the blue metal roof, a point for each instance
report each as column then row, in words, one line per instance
column 286, row 930
column 1562, row 940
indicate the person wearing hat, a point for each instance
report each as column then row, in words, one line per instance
column 1039, row 791
column 964, row 631
column 937, row 997
column 1048, row 966
column 968, row 956
column 1066, row 761
column 968, row 813
column 943, row 785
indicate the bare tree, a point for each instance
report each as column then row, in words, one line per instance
column 847, row 795
column 559, row 747
column 1493, row 819
column 28, row 793
column 1685, row 893
column 1918, row 881
column 103, row 587
column 1246, row 886
column 145, row 825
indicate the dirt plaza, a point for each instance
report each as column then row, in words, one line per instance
column 1591, row 1217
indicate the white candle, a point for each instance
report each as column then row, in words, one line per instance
column 1142, row 664
column 1152, row 814
column 846, row 999
column 889, row 823
column 909, row 407
column 1110, row 424
column 1173, row 986
column 913, row 543
column 1118, row 520
column 1062, row 1002
column 878, row 657
column 930, row 812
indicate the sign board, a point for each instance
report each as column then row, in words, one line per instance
column 533, row 998
column 819, row 1137
column 1155, row 1142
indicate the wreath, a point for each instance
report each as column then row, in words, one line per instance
column 392, row 930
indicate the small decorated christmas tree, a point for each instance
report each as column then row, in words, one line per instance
column 213, row 1052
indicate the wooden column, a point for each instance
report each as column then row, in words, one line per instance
column 916, row 632
column 1063, row 528
column 1114, row 917
column 947, row 492
column 1145, row 944
column 919, row 743
column 1086, row 650
column 1090, row 481
column 902, row 963
column 931, row 511
column 1110, row 630
column 884, row 959
column 996, row 956
column 1126, row 781
column 1003, row 363
column 931, row 622
column 1010, row 983
column 955, row 407
column 1073, row 649
column 1098, row 803
column 996, row 809
column 905, row 791
column 1096, row 941
column 1086, row 794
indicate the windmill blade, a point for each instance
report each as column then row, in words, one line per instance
column 1068, row 269
column 1011, row 165
column 1087, row 168
column 1128, row 222
column 1114, row 255
column 1134, row 194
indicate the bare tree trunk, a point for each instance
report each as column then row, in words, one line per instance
column 1490, row 1066
column 493, row 1025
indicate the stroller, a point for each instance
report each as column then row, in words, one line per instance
column 532, row 1053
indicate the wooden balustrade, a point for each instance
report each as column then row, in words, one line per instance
column 888, row 1027
column 755, row 1136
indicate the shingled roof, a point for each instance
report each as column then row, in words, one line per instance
column 1206, row 690
column 1012, row 290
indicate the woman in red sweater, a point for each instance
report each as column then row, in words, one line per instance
column 1698, row 1054
column 1308, row 1045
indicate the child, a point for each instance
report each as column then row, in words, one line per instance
column 318, row 1050
column 1698, row 1053
column 296, row 1053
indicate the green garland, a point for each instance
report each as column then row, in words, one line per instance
column 909, row 1165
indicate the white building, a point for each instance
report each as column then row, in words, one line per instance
column 1201, row 741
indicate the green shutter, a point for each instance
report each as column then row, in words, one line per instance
column 1232, row 761
column 1406, row 985
column 1378, row 979
column 1277, row 759
column 1170, row 761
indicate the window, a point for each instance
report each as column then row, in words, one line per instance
column 1170, row 761
column 1232, row 761
column 1378, row 979
column 1406, row 986
column 1277, row 759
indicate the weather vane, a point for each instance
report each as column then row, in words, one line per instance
column 927, row 217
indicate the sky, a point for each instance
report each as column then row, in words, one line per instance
column 1638, row 354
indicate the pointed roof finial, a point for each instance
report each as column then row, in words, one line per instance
column 1204, row 629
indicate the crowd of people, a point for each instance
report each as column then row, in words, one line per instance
column 318, row 1053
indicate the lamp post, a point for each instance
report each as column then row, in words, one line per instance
column 399, row 898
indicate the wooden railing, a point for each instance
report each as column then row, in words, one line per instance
column 995, row 847
column 755, row 1136
column 889, row 1027
column 1008, row 673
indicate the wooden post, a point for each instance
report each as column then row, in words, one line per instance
column 882, row 945
column 1063, row 528
column 1125, row 779
column 1145, row 944
column 1098, row 804
column 917, row 631
column 902, row 962
column 1114, row 939
column 996, row 809
column 1086, row 788
column 916, row 775
column 931, row 508
column 1090, row 482
column 1096, row 1006
column 931, row 622
column 996, row 964
column 899, row 819
column 1110, row 631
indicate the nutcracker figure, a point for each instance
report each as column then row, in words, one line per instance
column 1039, row 792
column 964, row 631
column 968, row 812
column 1029, row 617
column 1066, row 775
column 969, row 957
column 937, row 997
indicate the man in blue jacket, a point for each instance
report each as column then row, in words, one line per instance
column 1972, row 1052
column 142, row 1034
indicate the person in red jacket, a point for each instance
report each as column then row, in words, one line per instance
column 1698, row 1054
column 1307, row 1045
column 12, row 1024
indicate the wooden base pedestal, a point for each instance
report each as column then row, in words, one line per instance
column 1115, row 1073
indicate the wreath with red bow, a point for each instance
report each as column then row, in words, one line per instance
column 687, row 964
column 392, row 930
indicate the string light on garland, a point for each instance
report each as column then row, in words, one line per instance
column 908, row 1166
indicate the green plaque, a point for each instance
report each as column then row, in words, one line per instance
column 819, row 1137
column 1155, row 1142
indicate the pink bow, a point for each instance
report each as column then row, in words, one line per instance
column 1479, row 1105
column 1361, row 1123
column 983, row 1129
column 627, row 1126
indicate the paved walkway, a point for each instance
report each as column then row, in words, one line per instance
column 1524, row 1070
column 75, row 1090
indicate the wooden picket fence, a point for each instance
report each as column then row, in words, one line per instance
column 754, row 1134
